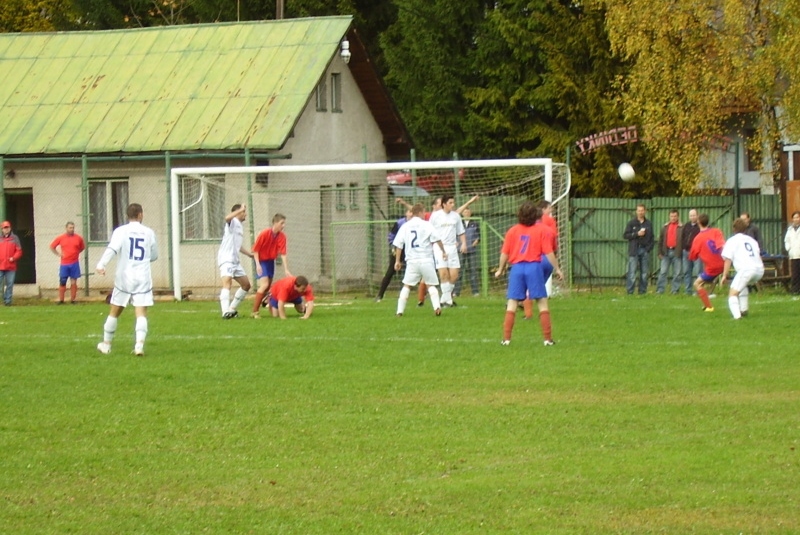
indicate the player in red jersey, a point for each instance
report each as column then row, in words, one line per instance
column 549, row 221
column 292, row 290
column 269, row 244
column 525, row 247
column 707, row 246
column 72, row 245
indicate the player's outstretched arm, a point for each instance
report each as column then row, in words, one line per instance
column 466, row 204
column 400, row 200
column 502, row 267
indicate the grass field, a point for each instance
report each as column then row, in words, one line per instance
column 648, row 416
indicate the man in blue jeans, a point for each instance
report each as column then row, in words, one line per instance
column 639, row 233
column 670, row 250
column 10, row 253
column 690, row 269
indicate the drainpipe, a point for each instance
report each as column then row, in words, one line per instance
column 85, row 221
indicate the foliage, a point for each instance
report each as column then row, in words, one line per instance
column 696, row 66
column 637, row 421
column 32, row 15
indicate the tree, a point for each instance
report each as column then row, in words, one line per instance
column 700, row 67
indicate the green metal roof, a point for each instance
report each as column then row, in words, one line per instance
column 199, row 87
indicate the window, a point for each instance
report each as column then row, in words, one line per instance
column 340, row 196
column 354, row 195
column 262, row 179
column 202, row 202
column 336, row 92
column 108, row 204
column 322, row 91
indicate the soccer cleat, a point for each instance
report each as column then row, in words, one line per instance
column 265, row 300
column 255, row 316
column 230, row 314
column 138, row 350
column 549, row 343
column 505, row 343
column 744, row 313
column 104, row 348
column 453, row 303
column 437, row 312
column 708, row 309
column 378, row 299
column 60, row 302
column 399, row 314
column 421, row 304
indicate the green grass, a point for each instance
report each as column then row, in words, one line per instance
column 648, row 416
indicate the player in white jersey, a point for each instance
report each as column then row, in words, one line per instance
column 230, row 267
column 450, row 228
column 744, row 254
column 135, row 247
column 416, row 238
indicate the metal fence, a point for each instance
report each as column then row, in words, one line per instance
column 600, row 254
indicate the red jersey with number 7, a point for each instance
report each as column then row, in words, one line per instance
column 527, row 244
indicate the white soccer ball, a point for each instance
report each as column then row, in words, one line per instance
column 626, row 172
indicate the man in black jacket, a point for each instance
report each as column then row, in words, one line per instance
column 639, row 233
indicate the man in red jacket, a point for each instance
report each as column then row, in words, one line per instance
column 10, row 253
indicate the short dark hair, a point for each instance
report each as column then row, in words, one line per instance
column 543, row 204
column 278, row 217
column 703, row 219
column 446, row 198
column 134, row 210
column 301, row 281
column 418, row 209
column 235, row 207
column 528, row 213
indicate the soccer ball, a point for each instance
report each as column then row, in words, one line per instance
column 626, row 172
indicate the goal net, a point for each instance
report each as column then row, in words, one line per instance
column 338, row 216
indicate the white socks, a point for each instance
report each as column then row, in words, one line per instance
column 109, row 328
column 447, row 292
column 237, row 298
column 403, row 299
column 733, row 304
column 141, row 329
column 225, row 300
column 434, row 293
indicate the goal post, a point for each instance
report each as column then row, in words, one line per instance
column 338, row 215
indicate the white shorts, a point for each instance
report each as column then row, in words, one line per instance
column 121, row 299
column 424, row 271
column 746, row 278
column 234, row 271
column 452, row 257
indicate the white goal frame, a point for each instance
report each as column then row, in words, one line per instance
column 175, row 173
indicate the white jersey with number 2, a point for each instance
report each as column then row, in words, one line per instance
column 135, row 247
column 743, row 252
column 416, row 237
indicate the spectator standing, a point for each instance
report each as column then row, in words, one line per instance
column 752, row 230
column 792, row 243
column 639, row 233
column 71, row 246
column 470, row 258
column 689, row 268
column 707, row 246
column 670, row 250
column 10, row 253
column 743, row 253
column 135, row 247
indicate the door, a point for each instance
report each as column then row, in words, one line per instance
column 19, row 210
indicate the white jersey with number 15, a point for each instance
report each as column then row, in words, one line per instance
column 135, row 246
